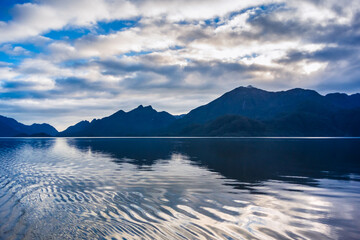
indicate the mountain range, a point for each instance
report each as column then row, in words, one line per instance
column 9, row 127
column 244, row 111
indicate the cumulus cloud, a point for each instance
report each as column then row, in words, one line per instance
column 14, row 50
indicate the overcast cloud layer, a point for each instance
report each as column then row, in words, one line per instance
column 62, row 61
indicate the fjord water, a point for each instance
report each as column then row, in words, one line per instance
column 178, row 188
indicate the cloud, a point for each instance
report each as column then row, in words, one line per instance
column 175, row 55
column 14, row 50
column 32, row 19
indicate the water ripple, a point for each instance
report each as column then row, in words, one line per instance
column 47, row 194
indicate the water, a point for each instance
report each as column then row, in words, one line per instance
column 179, row 188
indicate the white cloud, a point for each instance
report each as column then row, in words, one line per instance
column 134, row 39
column 6, row 72
column 32, row 19
column 14, row 51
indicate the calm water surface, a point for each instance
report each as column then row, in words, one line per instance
column 179, row 188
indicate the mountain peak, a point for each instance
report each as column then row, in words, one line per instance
column 303, row 92
column 140, row 121
column 248, row 88
column 142, row 108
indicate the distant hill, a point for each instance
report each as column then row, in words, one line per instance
column 9, row 127
column 141, row 121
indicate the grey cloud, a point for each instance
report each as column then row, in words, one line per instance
column 64, row 87
column 218, row 68
column 272, row 29
column 327, row 54
column 67, row 86
column 266, row 27
column 119, row 67
column 345, row 35
column 150, row 75
column 30, row 70
column 194, row 34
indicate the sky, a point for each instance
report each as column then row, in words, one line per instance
column 62, row 61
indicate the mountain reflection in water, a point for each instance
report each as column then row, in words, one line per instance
column 179, row 188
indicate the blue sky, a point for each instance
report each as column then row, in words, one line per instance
column 66, row 61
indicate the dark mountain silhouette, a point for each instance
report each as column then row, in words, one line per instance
column 77, row 129
column 248, row 111
column 256, row 104
column 343, row 100
column 141, row 121
column 228, row 125
column 9, row 127
column 244, row 111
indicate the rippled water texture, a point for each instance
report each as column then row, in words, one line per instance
column 179, row 189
